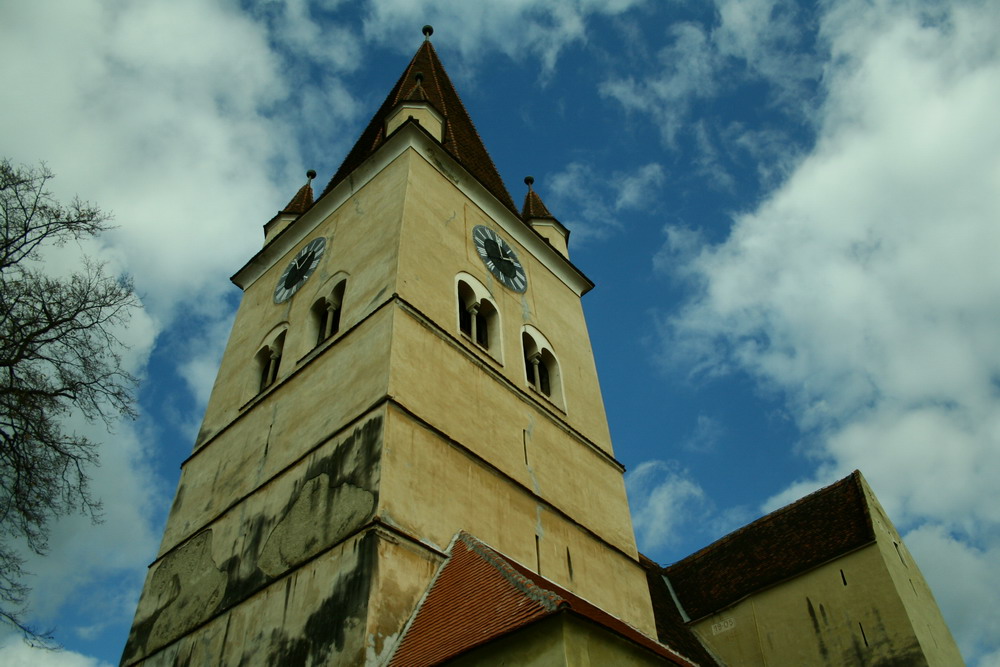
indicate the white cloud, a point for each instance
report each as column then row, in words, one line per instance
column 517, row 28
column 591, row 204
column 766, row 35
column 963, row 579
column 663, row 499
column 865, row 289
column 15, row 653
column 706, row 434
column 689, row 67
column 115, row 551
column 179, row 117
column 176, row 116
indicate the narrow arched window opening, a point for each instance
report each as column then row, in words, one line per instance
column 326, row 313
column 268, row 362
column 477, row 318
column 541, row 368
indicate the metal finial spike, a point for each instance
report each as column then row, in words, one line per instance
column 311, row 174
column 428, row 31
column 529, row 181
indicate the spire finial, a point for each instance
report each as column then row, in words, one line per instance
column 428, row 31
column 529, row 181
column 311, row 174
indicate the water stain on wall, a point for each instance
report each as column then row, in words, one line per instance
column 335, row 496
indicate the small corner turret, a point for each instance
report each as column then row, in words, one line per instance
column 298, row 205
column 537, row 216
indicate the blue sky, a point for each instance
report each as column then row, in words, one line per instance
column 791, row 212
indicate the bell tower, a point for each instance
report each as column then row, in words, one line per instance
column 409, row 360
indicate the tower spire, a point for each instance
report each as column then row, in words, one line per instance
column 459, row 136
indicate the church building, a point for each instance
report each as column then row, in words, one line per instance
column 405, row 458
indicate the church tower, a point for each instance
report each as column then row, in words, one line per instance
column 409, row 361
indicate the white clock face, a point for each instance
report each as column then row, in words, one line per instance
column 499, row 258
column 299, row 270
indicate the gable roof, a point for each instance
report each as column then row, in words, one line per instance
column 787, row 542
column 460, row 139
column 480, row 596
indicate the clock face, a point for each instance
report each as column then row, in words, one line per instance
column 299, row 270
column 499, row 258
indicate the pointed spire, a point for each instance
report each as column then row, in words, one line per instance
column 459, row 137
column 533, row 205
column 303, row 199
column 537, row 216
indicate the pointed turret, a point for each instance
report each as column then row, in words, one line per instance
column 303, row 199
column 298, row 205
column 535, row 214
column 429, row 94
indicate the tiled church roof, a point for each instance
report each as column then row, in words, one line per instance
column 811, row 531
column 461, row 139
column 480, row 596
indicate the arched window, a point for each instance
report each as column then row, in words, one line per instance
column 326, row 313
column 541, row 368
column 478, row 318
column 268, row 361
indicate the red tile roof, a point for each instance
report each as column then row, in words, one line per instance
column 787, row 542
column 302, row 200
column 479, row 596
column 533, row 206
column 461, row 139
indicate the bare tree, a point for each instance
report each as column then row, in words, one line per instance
column 59, row 355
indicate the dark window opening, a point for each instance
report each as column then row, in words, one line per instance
column 482, row 330
column 540, row 367
column 268, row 362
column 327, row 313
column 465, row 320
column 476, row 319
column 543, row 378
column 266, row 369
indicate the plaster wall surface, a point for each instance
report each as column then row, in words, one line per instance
column 362, row 246
column 431, row 488
column 436, row 244
column 312, row 506
column 552, row 234
column 560, row 641
column 296, row 415
column 846, row 612
column 315, row 615
column 924, row 615
column 464, row 398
